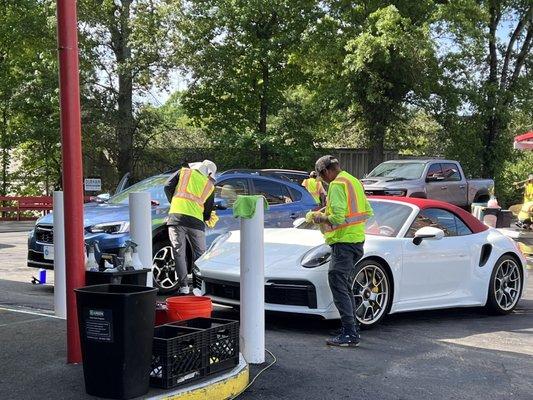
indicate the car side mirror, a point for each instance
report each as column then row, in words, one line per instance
column 297, row 222
column 427, row 233
column 221, row 204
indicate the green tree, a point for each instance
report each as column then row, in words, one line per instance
column 238, row 55
column 371, row 61
column 127, row 45
column 487, row 58
column 28, row 83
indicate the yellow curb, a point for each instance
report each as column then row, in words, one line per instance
column 221, row 387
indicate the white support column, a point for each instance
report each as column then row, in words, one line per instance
column 60, row 286
column 141, row 229
column 252, row 287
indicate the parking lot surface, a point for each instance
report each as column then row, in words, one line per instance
column 444, row 354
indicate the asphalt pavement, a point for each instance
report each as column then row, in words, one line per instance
column 444, row 354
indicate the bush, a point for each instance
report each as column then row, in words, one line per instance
column 513, row 171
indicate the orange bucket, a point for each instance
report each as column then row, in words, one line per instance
column 186, row 307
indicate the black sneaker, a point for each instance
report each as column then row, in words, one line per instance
column 344, row 340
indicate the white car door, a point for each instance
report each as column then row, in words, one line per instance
column 435, row 272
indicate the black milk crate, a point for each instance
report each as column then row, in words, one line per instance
column 222, row 338
column 178, row 356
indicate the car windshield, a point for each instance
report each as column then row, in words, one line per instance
column 409, row 170
column 388, row 219
column 153, row 185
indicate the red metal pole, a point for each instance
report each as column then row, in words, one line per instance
column 69, row 86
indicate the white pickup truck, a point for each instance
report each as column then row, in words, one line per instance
column 432, row 179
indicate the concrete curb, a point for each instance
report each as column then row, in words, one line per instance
column 220, row 387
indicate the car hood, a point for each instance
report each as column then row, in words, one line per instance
column 95, row 213
column 283, row 246
column 384, row 182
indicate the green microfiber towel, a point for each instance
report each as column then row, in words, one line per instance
column 244, row 206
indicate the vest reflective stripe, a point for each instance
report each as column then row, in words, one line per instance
column 182, row 192
column 191, row 193
column 354, row 216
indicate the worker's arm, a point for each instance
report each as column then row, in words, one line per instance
column 209, row 206
column 170, row 186
column 338, row 204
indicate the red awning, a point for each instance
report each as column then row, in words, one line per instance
column 524, row 142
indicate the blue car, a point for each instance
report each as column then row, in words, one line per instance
column 108, row 222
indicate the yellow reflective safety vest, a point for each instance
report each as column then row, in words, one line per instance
column 191, row 193
column 528, row 193
column 314, row 187
column 351, row 228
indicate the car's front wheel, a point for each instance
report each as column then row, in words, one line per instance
column 164, row 267
column 505, row 286
column 372, row 292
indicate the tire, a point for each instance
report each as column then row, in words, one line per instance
column 505, row 286
column 163, row 267
column 372, row 289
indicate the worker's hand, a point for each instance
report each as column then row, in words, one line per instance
column 309, row 217
column 212, row 220
column 320, row 218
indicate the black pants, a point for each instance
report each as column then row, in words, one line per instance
column 344, row 256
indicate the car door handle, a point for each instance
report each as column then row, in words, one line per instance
column 294, row 215
column 462, row 187
column 443, row 187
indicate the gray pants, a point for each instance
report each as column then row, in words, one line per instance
column 179, row 235
column 341, row 272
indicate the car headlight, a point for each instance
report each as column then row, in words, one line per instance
column 399, row 193
column 110, row 227
column 316, row 256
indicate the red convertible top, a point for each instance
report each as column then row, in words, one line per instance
column 475, row 225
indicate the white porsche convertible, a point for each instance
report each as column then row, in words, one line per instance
column 419, row 255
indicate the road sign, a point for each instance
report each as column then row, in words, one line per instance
column 93, row 184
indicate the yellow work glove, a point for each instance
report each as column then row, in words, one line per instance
column 309, row 217
column 212, row 220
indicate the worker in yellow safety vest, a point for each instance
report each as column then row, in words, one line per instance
column 525, row 216
column 343, row 226
column 315, row 188
column 190, row 192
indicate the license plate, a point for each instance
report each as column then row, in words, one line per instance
column 48, row 252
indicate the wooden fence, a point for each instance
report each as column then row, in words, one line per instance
column 357, row 161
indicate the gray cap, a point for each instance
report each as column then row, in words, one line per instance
column 325, row 162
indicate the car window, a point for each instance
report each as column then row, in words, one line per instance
column 442, row 219
column 462, row 228
column 153, row 185
column 295, row 194
column 229, row 189
column 274, row 192
column 434, row 171
column 450, row 172
column 388, row 219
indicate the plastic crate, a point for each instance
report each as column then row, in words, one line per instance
column 222, row 339
column 178, row 356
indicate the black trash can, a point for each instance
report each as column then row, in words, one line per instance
column 128, row 277
column 116, row 332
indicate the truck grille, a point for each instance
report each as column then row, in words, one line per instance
column 293, row 293
column 44, row 234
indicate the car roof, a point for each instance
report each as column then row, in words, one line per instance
column 475, row 225
column 420, row 161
